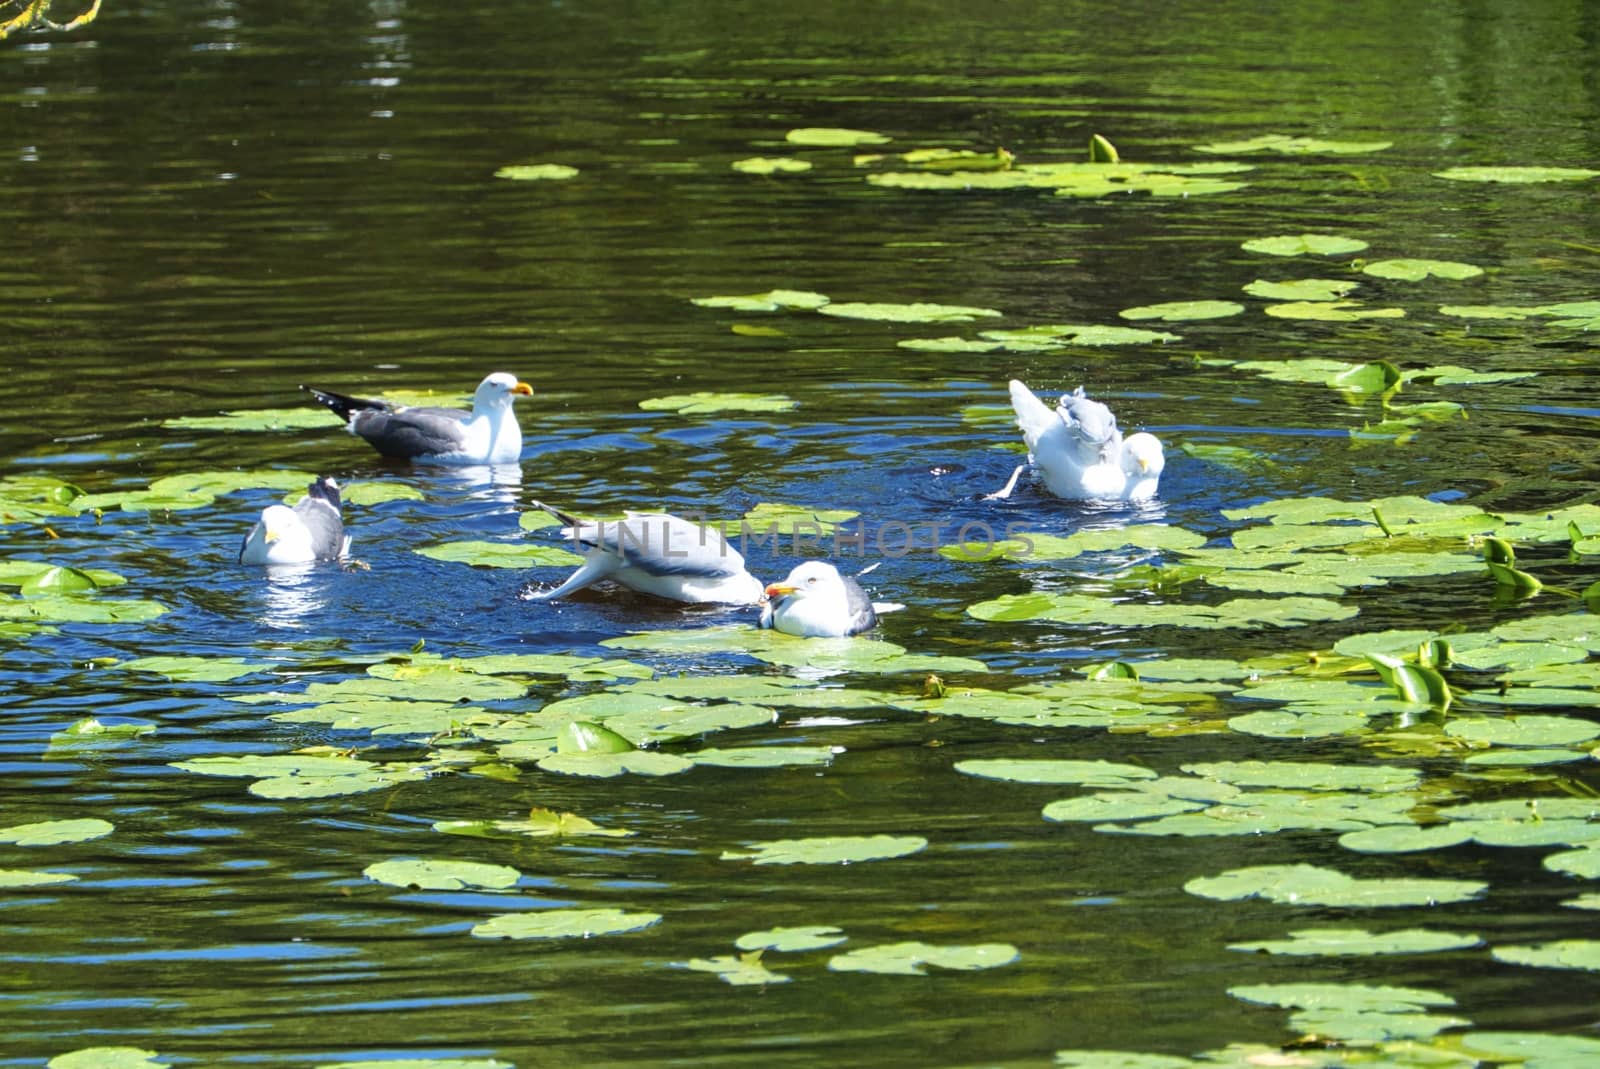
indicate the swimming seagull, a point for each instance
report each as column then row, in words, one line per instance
column 1079, row 451
column 312, row 530
column 489, row 434
column 656, row 553
column 815, row 601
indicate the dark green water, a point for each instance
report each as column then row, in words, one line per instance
column 207, row 204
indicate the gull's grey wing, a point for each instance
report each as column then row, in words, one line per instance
column 1093, row 426
column 660, row 544
column 862, row 614
column 327, row 529
column 412, row 432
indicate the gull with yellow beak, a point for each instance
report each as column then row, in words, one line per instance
column 815, row 601
column 489, row 434
column 1079, row 452
column 312, row 530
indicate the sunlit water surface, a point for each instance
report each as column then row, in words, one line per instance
column 208, row 204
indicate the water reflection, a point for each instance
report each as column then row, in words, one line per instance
column 291, row 593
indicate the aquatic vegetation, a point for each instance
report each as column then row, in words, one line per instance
column 1285, row 145
column 771, row 165
column 702, row 403
column 563, row 924
column 913, row 958
column 1516, row 175
column 531, row 172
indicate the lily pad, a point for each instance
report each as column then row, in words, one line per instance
column 1516, row 174
column 1309, row 885
column 1304, row 245
column 1333, row 312
column 540, row 823
column 738, row 969
column 195, row 669
column 908, row 313
column 705, row 402
column 770, row 301
column 563, row 924
column 1293, row 146
column 438, row 875
column 536, row 172
column 1358, row 942
column 481, row 554
column 833, row 850
column 912, row 959
column 1417, row 270
column 1182, row 311
column 56, row 832
column 770, row 165
column 259, row 419
column 18, row 878
column 805, row 937
column 1302, row 289
column 108, row 1058
column 834, row 136
column 1561, row 954
column 1057, row 770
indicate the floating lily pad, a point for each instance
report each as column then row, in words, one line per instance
column 1059, row 770
column 1333, row 311
column 805, row 937
column 1293, row 146
column 1561, row 954
column 1516, row 174
column 541, row 823
column 482, row 554
column 56, row 832
column 259, row 419
column 1417, row 270
column 763, row 756
column 1354, row 942
column 770, row 517
column 108, row 1058
column 912, row 959
column 833, row 850
column 704, row 402
column 834, row 136
column 1181, row 311
column 305, row 775
column 1309, row 885
column 537, row 172
column 436, row 875
column 563, row 924
column 771, row 301
column 908, row 313
column 1088, row 610
column 769, row 165
column 1301, row 289
column 195, row 669
column 1089, row 334
column 738, row 969
column 18, row 878
column 1307, row 775
column 422, row 1063
column 1304, row 245
column 1524, row 730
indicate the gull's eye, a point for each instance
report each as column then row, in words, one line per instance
column 812, row 581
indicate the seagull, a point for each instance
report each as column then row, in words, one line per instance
column 815, row 601
column 1080, row 452
column 656, row 553
column 312, row 530
column 487, row 435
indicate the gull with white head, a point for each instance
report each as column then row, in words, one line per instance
column 1079, row 452
column 815, row 601
column 312, row 530
column 489, row 434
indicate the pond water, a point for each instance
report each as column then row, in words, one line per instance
column 209, row 204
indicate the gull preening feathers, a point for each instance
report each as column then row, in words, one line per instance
column 656, row 553
column 312, row 530
column 489, row 434
column 815, row 601
column 1079, row 452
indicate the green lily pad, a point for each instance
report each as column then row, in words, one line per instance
column 1528, row 730
column 1309, row 885
column 805, row 937
column 19, row 878
column 737, row 969
column 763, row 756
column 195, row 669
column 260, row 419
column 481, row 554
column 912, row 959
column 1088, row 610
column 1537, row 1050
column 422, row 1063
column 540, row 824
column 1516, row 174
column 770, row 301
column 563, row 924
column 769, row 517
column 1293, row 146
column 1183, row 311
column 908, row 313
column 1118, row 1059
column 56, row 832
column 833, row 136
column 602, row 765
column 770, row 165
column 108, row 1058
column 304, row 775
column 1405, row 838
column 1302, row 289
column 1417, row 270
column 437, row 875
column 831, row 850
column 704, row 403
column 537, row 172
column 1304, row 245
column 1307, row 775
column 1090, row 334
column 1047, row 770
column 1332, row 312
column 1358, row 942
column 1561, row 954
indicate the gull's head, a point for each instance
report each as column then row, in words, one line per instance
column 279, row 522
column 279, row 538
column 500, row 388
column 1142, row 456
column 814, row 578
